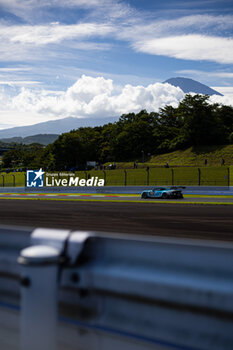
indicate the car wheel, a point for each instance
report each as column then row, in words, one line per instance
column 144, row 195
column 164, row 195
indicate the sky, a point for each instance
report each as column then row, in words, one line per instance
column 103, row 58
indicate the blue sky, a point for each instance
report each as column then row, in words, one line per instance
column 91, row 58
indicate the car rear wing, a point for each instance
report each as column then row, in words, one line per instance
column 177, row 187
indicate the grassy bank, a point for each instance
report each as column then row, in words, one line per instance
column 193, row 156
column 186, row 167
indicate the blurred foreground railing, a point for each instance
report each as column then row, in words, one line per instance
column 85, row 290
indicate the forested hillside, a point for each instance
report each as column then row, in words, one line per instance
column 194, row 122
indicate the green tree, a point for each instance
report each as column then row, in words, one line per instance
column 201, row 126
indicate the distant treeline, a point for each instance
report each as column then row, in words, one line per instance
column 43, row 139
column 134, row 137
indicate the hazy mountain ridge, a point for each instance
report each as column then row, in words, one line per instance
column 43, row 139
column 57, row 126
column 190, row 85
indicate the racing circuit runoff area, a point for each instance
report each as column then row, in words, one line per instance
column 198, row 216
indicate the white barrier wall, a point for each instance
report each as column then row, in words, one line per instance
column 114, row 292
column 215, row 190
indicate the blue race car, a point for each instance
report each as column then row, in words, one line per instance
column 163, row 192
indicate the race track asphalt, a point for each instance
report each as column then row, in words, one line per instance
column 207, row 221
column 197, row 199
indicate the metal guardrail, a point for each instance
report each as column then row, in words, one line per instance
column 113, row 291
column 189, row 176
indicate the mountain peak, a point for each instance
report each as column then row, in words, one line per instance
column 190, row 85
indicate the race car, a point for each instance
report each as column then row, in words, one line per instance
column 173, row 192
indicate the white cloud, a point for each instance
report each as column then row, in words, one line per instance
column 52, row 33
column 19, row 82
column 87, row 88
column 157, row 37
column 14, row 69
column 27, row 9
column 225, row 90
column 151, row 98
column 217, row 74
column 190, row 47
column 198, row 24
column 186, row 37
column 90, row 97
column 225, row 100
column 50, row 42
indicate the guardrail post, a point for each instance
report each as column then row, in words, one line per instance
column 172, row 170
column 13, row 180
column 39, row 275
column 199, row 177
column 148, row 177
column 105, row 180
column 125, row 177
column 228, row 177
column 3, row 180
